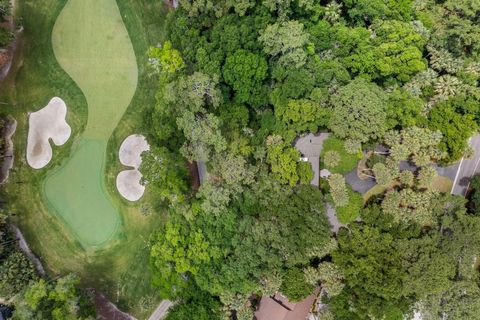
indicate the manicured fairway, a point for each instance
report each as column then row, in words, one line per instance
column 92, row 45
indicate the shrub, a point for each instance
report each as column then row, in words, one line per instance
column 294, row 286
column 305, row 172
column 351, row 211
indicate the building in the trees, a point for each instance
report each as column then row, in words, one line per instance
column 279, row 308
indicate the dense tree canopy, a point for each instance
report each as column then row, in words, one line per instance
column 239, row 81
column 56, row 300
column 389, row 264
column 359, row 111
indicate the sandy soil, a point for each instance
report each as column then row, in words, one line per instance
column 45, row 124
column 131, row 150
column 128, row 184
column 130, row 154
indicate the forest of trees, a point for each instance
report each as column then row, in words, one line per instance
column 6, row 34
column 240, row 80
column 28, row 295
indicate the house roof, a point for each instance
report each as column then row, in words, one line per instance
column 279, row 308
column 270, row 310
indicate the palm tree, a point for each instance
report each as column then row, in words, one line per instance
column 333, row 12
column 447, row 86
column 443, row 60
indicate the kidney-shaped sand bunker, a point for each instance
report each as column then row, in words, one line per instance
column 130, row 154
column 45, row 124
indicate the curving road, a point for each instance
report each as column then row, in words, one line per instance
column 467, row 169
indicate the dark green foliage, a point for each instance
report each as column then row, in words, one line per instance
column 162, row 172
column 305, row 172
column 367, row 11
column 201, row 306
column 474, row 195
column 404, row 109
column 256, row 75
column 5, row 36
column 392, row 265
column 455, row 127
column 302, row 115
column 56, row 300
column 275, row 228
column 294, row 286
column 374, row 159
column 16, row 272
column 245, row 71
column 359, row 111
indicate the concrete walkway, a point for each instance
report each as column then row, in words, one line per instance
column 467, row 168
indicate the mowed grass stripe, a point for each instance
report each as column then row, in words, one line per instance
column 92, row 45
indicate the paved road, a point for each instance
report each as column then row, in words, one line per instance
column 161, row 310
column 467, row 168
column 358, row 184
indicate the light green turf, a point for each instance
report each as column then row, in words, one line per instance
column 92, row 45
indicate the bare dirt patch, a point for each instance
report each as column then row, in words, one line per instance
column 45, row 124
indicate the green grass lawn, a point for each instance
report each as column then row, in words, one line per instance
column 351, row 211
column 347, row 162
column 120, row 270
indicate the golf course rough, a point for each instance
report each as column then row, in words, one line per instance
column 92, row 45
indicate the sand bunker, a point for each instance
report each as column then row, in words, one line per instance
column 45, row 124
column 128, row 181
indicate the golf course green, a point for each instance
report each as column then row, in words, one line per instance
column 92, row 45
